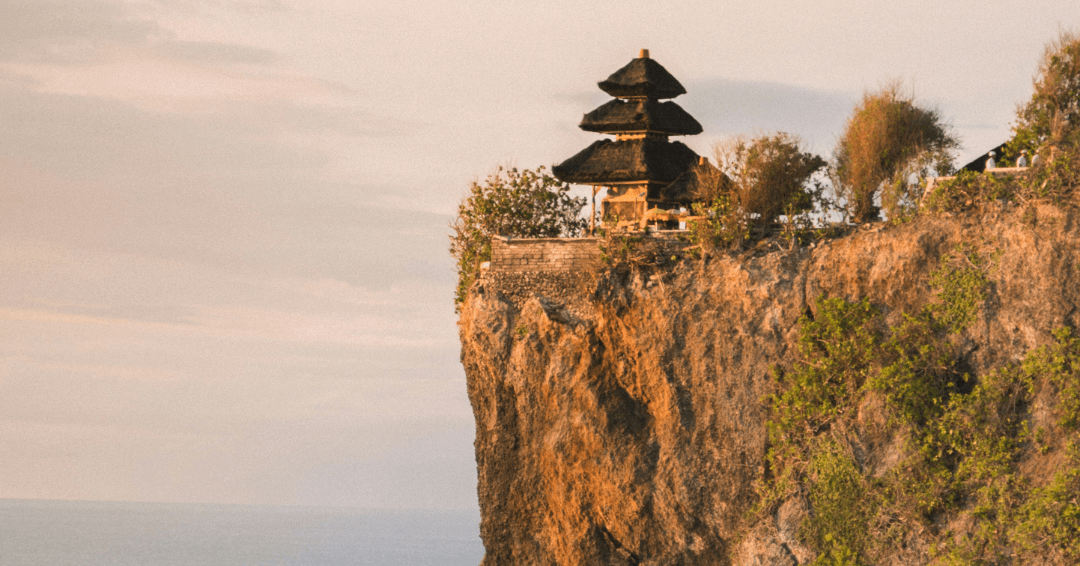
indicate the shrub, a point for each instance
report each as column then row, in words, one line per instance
column 510, row 202
column 758, row 180
column 888, row 142
column 723, row 224
column 964, row 437
column 961, row 283
column 770, row 175
column 838, row 529
column 1053, row 113
column 1056, row 180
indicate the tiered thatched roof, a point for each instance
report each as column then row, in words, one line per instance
column 685, row 189
column 641, row 115
column 637, row 160
column 642, row 154
column 642, row 77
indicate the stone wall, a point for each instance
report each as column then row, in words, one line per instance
column 553, row 268
column 564, row 271
column 530, row 255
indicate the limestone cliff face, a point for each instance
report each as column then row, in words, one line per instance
column 621, row 421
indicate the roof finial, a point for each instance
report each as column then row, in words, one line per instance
column 644, row 54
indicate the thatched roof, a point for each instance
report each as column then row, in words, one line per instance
column 642, row 77
column 683, row 190
column 609, row 162
column 641, row 115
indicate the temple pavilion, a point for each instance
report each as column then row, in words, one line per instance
column 640, row 164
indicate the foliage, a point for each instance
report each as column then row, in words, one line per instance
column 1056, row 179
column 887, row 142
column 838, row 494
column 962, row 283
column 722, row 224
column 622, row 249
column 969, row 188
column 758, row 181
column 1053, row 113
column 510, row 202
column 1049, row 522
column 837, row 349
column 963, row 436
column 770, row 174
column 1061, row 362
column 1047, row 125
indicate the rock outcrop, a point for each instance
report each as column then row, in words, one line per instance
column 621, row 419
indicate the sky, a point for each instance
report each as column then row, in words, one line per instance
column 223, row 223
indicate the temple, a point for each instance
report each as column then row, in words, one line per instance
column 640, row 164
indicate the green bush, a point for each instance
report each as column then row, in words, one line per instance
column 963, row 436
column 722, row 225
column 842, row 510
column 510, row 202
column 961, row 283
column 1049, row 522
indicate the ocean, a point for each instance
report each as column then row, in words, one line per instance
column 89, row 533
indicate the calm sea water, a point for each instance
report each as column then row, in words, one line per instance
column 78, row 533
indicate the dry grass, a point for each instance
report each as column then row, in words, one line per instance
column 888, row 143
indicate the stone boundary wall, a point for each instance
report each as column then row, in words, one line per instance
column 560, row 270
column 531, row 255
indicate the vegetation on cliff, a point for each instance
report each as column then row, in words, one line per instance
column 889, row 145
column 757, row 181
column 1052, row 114
column 963, row 435
column 510, row 202
column 1048, row 126
column 964, row 479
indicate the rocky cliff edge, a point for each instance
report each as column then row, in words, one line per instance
column 621, row 417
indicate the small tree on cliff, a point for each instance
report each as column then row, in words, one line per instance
column 758, row 180
column 771, row 175
column 510, row 202
column 1052, row 115
column 887, row 142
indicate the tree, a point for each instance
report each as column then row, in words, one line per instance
column 770, row 174
column 1053, row 113
column 887, row 145
column 758, row 180
column 510, row 202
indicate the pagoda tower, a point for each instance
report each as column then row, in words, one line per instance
column 640, row 162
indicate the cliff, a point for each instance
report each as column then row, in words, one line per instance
column 621, row 414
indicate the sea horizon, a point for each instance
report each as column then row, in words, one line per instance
column 51, row 532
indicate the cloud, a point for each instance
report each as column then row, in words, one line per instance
column 727, row 107
column 209, row 52
column 92, row 32
column 69, row 31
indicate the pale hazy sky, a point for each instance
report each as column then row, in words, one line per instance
column 223, row 267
